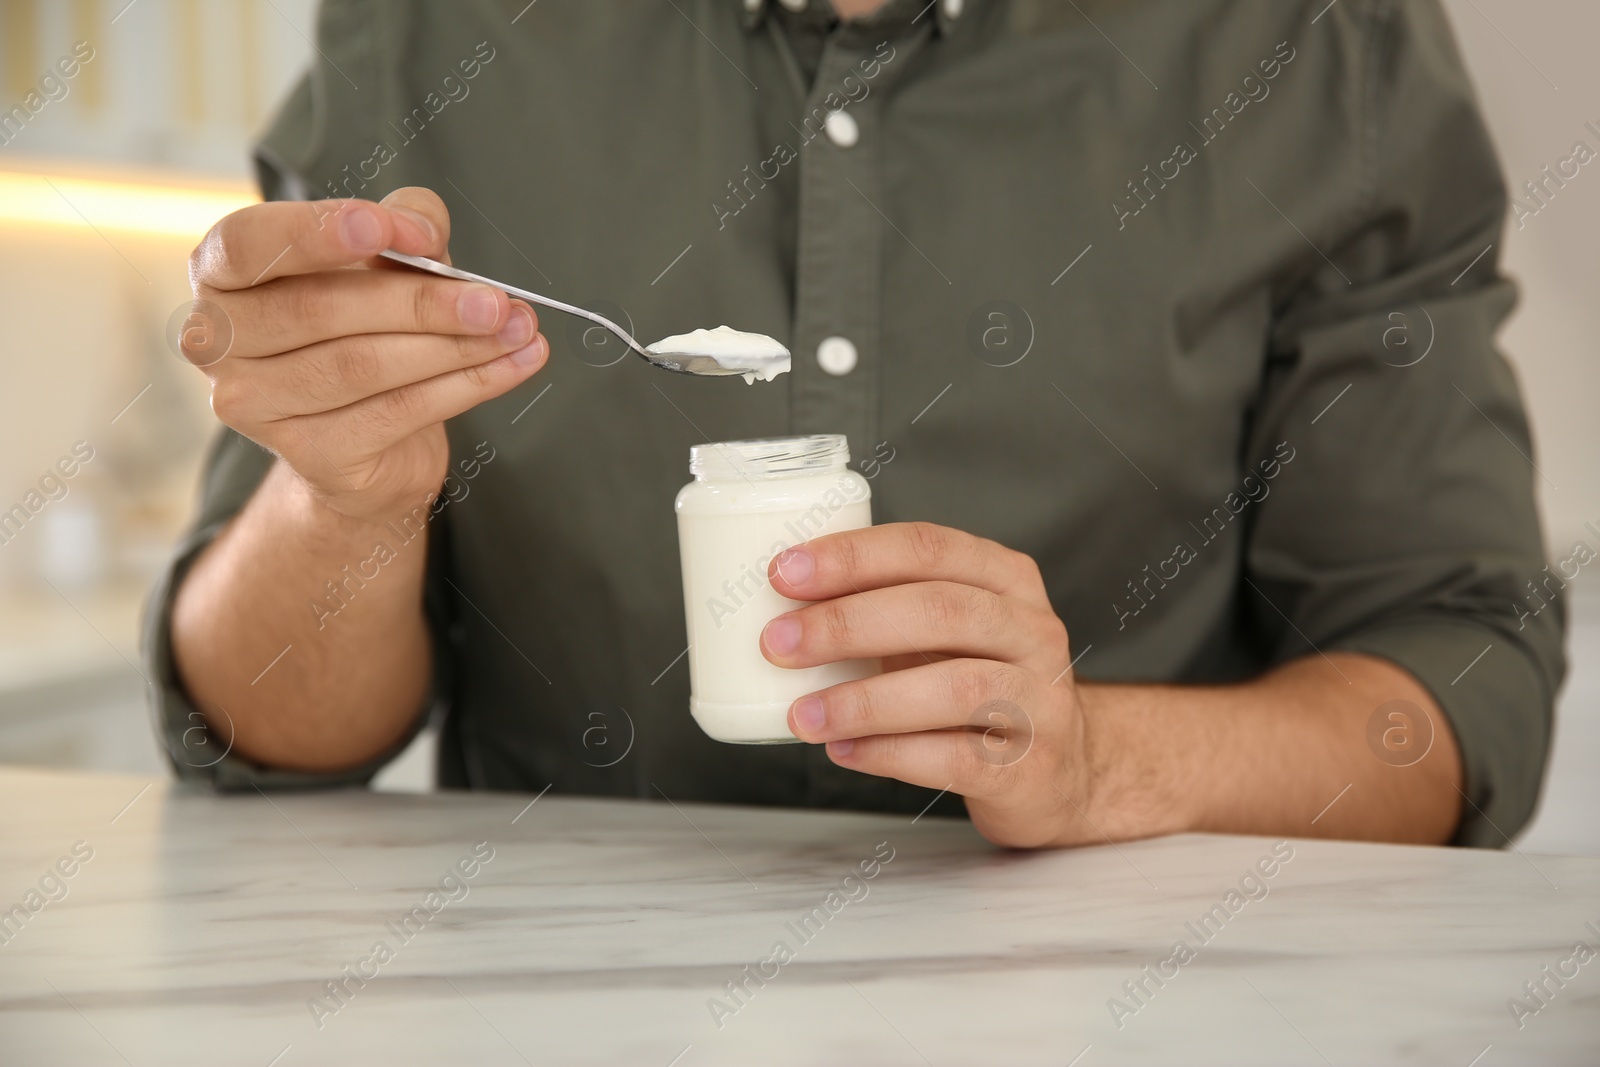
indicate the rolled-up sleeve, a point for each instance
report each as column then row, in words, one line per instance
column 1406, row 526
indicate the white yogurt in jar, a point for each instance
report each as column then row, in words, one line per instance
column 751, row 501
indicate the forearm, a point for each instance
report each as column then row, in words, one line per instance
column 1271, row 756
column 306, row 677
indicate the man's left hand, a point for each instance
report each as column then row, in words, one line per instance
column 977, row 695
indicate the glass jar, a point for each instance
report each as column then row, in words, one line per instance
column 751, row 501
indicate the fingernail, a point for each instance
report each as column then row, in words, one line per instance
column 533, row 355
column 518, row 329
column 808, row 714
column 478, row 307
column 421, row 222
column 796, row 566
column 361, row 230
column 782, row 635
column 840, row 749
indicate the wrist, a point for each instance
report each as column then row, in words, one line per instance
column 326, row 518
column 1133, row 786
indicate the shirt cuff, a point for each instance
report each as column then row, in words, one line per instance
column 1499, row 705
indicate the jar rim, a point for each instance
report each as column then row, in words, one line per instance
column 770, row 457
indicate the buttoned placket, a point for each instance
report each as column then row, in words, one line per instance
column 837, row 341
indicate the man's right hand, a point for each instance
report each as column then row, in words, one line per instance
column 345, row 365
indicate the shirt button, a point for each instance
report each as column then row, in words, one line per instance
column 952, row 9
column 837, row 356
column 842, row 128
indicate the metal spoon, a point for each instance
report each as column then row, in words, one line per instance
column 681, row 362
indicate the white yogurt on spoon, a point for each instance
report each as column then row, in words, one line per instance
column 754, row 355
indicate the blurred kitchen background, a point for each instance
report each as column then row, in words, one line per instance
column 112, row 175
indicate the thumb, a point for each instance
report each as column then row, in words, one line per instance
column 422, row 222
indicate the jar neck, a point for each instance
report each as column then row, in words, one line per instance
column 767, row 458
column 736, row 478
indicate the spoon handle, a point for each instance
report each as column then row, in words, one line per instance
column 444, row 270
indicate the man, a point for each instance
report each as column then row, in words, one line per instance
column 1163, row 329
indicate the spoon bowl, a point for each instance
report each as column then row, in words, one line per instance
column 697, row 363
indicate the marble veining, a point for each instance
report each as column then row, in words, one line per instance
column 245, row 930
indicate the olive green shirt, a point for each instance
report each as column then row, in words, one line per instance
column 1190, row 300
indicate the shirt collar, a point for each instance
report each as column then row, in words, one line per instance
column 895, row 18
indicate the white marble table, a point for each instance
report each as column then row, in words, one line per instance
column 203, row 928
